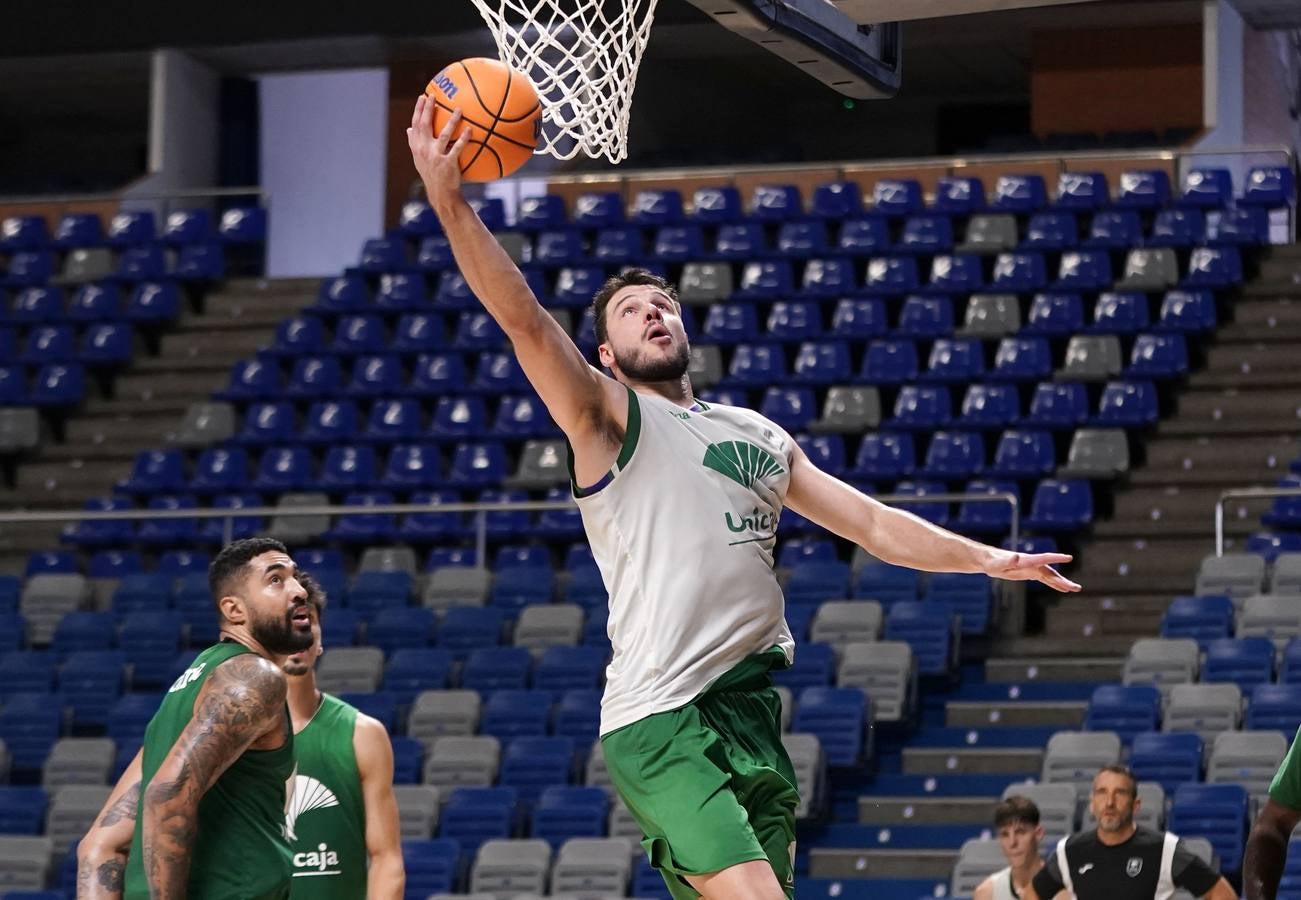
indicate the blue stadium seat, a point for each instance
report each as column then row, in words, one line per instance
column 537, row 213
column 412, row 466
column 29, row 268
column 491, row 212
column 418, row 333
column 837, row 716
column 507, row 523
column 156, row 471
column 436, row 374
column 465, row 628
column 477, row 464
column 187, row 226
column 969, row 596
column 142, row 592
column 1116, row 229
column 884, row 456
column 251, row 379
column 570, row 669
column 422, row 527
column 95, row 302
column 1022, row 359
column 1213, row 267
column 78, row 230
column 955, row 359
column 1055, row 315
column 1019, row 194
column 1146, row 189
column 498, row 373
column 1187, row 312
column 347, row 467
column 13, row 385
column 399, row 628
column 731, row 323
column 19, row 233
column 887, row 584
column 566, row 812
column 243, row 225
column 79, row 630
column 1083, row 270
column 49, row 344
column 921, row 407
column 37, row 305
column 522, row 416
column 452, row 292
column 366, row 528
column 1290, row 672
column 1242, row 226
column 434, row 254
column 1127, row 404
column 802, row 238
column 891, row 275
column 989, row 406
column 1206, row 189
column 51, row 562
column 1058, row 405
column 1176, row 228
column 739, row 241
column 814, row 666
column 1245, row 662
column 411, row 670
column 1051, row 231
column 822, row 362
column 656, row 207
column 836, row 200
column 929, row 629
column 557, row 247
column 432, row 867
column 1023, row 455
column 26, row 671
column 1270, row 545
column 765, row 280
column 958, row 273
column 297, row 336
column 1217, row 812
column 576, row 285
column 283, row 469
column 890, row 362
column 1270, row 187
column 329, row 421
column 344, row 294
column 776, row 202
column 214, row 530
column 1119, row 312
column 953, row 455
column 897, row 197
column 355, row 334
column 794, row 320
column 401, row 292
column 959, row 196
column 169, row 532
column 58, row 385
column 1019, row 272
column 598, row 209
column 1126, row 709
column 393, row 421
column 475, row 815
column 29, row 726
column 1157, row 356
column 511, row 713
column 925, row 317
column 791, row 408
column 1061, row 506
column 107, row 344
column 814, row 581
column 89, row 534
column 826, row 451
column 988, row 517
column 515, row 587
column 150, row 641
column 926, row 234
column 755, row 365
column 200, row 262
column 22, row 811
column 931, row 511
column 13, row 631
column 863, row 237
column 827, row 278
column 1204, row 619
column 618, row 245
column 380, row 255
column 1275, row 707
column 533, row 556
column 267, row 423
column 90, row 681
column 375, row 375
column 142, row 263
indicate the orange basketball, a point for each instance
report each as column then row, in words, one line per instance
column 498, row 105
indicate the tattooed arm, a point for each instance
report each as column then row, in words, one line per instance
column 243, row 700
column 101, row 855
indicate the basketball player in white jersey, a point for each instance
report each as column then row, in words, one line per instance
column 1016, row 824
column 680, row 500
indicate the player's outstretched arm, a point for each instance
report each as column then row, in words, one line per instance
column 386, row 877
column 243, row 700
column 903, row 539
column 1262, row 864
column 102, row 853
column 579, row 398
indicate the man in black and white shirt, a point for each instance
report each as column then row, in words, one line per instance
column 1120, row 860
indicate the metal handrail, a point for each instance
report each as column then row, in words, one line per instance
column 1251, row 493
column 179, row 194
column 480, row 509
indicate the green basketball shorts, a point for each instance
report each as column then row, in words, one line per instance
column 710, row 783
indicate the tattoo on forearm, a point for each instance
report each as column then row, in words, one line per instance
column 242, row 699
column 125, row 807
column 99, row 878
column 110, row 875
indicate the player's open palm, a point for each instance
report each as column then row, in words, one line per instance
column 437, row 156
column 1033, row 567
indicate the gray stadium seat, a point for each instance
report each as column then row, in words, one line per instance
column 592, row 865
column 1274, row 616
column 1207, row 709
column 72, row 810
column 992, row 315
column 389, row 559
column 1056, row 802
column 621, row 824
column 549, row 625
column 25, row 862
column 1151, row 810
column 20, row 429
column 294, row 529
column 462, row 761
column 805, row 751
column 1286, row 578
column 1091, row 358
column 417, row 810
column 1236, row 574
column 887, row 673
column 1203, row 849
column 348, row 669
column 1074, row 757
column 841, row 622
column 542, row 464
column 1096, row 453
column 438, row 713
column 204, row 424
column 457, row 586
column 1162, row 661
column 78, row 760
column 788, row 705
column 506, row 867
column 989, row 234
column 563, row 318
column 5, row 762
column 1149, row 269
column 1248, row 758
column 849, row 409
column 596, row 774
column 46, row 599
column 703, row 283
column 516, row 246
column 705, row 367
column 86, row 264
column 977, row 860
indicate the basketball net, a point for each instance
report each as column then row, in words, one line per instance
column 582, row 56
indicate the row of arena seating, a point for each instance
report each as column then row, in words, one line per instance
column 130, row 229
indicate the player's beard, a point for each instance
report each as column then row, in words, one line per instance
column 279, row 635
column 636, row 367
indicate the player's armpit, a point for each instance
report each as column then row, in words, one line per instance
column 243, row 700
column 102, row 853
column 386, row 875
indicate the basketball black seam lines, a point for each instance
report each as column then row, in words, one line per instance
column 496, row 117
column 477, row 124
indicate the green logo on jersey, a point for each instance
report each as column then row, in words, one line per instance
column 741, row 461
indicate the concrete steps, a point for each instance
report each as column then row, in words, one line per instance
column 873, row 810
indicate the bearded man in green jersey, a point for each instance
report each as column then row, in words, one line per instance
column 204, row 801
column 342, row 821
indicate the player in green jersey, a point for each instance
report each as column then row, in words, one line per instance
column 205, row 798
column 342, row 821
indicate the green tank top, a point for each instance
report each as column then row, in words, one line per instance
column 326, row 818
column 240, row 852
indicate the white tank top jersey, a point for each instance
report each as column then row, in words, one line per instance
column 1003, row 885
column 683, row 530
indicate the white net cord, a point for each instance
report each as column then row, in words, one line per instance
column 582, row 56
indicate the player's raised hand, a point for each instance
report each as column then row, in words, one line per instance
column 1012, row 566
column 437, row 156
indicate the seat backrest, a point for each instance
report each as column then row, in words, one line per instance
column 1098, row 452
column 1092, row 357
column 1235, row 574
column 991, row 315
